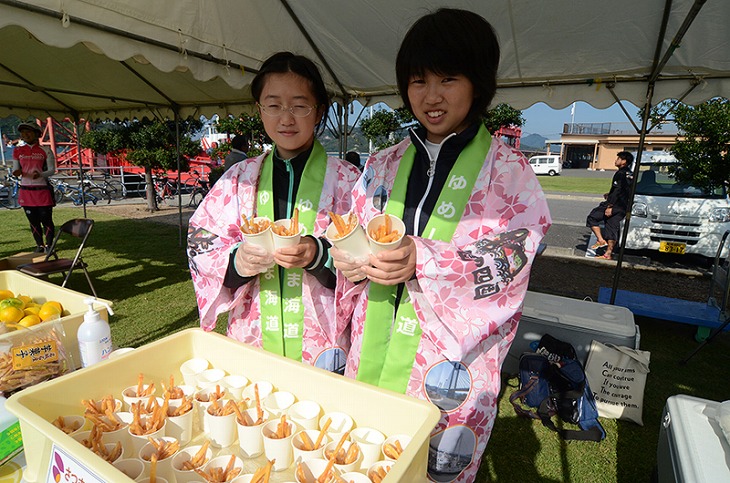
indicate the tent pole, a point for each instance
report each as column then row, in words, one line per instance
column 77, row 125
column 179, row 184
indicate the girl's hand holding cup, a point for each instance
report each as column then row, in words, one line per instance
column 251, row 260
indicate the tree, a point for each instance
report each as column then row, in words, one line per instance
column 250, row 126
column 382, row 127
column 149, row 144
column 703, row 154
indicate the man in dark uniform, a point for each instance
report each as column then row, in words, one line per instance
column 613, row 210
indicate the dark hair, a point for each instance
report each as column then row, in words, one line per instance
column 240, row 142
column 283, row 62
column 626, row 156
column 353, row 158
column 451, row 41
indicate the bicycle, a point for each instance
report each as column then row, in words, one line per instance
column 64, row 190
column 111, row 189
column 165, row 188
column 200, row 188
column 9, row 192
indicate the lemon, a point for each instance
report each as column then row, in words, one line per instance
column 32, row 309
column 11, row 315
column 26, row 299
column 56, row 304
column 12, row 302
column 49, row 311
column 30, row 321
column 6, row 294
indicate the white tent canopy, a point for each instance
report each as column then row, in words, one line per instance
column 124, row 58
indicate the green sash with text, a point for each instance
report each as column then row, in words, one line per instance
column 280, row 297
column 390, row 337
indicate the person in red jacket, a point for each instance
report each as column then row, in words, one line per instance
column 35, row 164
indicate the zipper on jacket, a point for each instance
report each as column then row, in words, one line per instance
column 290, row 188
column 431, row 172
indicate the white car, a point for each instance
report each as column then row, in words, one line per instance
column 546, row 164
column 676, row 218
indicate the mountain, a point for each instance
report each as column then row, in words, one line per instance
column 533, row 141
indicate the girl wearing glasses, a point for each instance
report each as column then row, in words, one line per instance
column 281, row 301
column 436, row 316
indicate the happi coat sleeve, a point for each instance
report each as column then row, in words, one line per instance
column 467, row 294
column 214, row 231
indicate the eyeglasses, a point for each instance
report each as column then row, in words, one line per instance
column 277, row 110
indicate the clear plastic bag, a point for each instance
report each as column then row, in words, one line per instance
column 32, row 355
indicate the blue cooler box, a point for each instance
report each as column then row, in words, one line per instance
column 571, row 320
column 691, row 447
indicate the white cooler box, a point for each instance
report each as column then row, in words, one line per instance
column 570, row 320
column 691, row 447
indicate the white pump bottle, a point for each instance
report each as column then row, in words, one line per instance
column 94, row 335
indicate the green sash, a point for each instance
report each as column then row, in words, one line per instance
column 282, row 311
column 390, row 337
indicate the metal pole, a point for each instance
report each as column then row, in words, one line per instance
column 179, row 191
column 77, row 126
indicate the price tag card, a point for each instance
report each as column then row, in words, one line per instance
column 66, row 468
column 26, row 356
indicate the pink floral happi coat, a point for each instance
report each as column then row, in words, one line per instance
column 214, row 231
column 468, row 296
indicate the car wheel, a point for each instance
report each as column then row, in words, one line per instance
column 552, row 172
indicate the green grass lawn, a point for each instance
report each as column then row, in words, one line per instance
column 139, row 266
column 565, row 184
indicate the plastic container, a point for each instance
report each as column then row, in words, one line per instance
column 42, row 291
column 94, row 335
column 571, row 320
column 691, row 447
column 369, row 406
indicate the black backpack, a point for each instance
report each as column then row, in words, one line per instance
column 553, row 381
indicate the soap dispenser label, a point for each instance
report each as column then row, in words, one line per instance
column 32, row 355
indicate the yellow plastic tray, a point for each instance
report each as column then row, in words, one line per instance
column 42, row 291
column 369, row 406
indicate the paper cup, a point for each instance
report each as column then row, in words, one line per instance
column 286, row 241
column 370, row 441
column 404, row 439
column 354, row 243
column 109, row 447
column 83, row 437
column 386, row 465
column 375, row 223
column 210, row 378
column 180, row 427
column 201, row 407
column 188, row 391
column 235, row 384
column 305, row 414
column 132, row 467
column 221, row 429
column 265, row 388
column 279, row 449
column 344, row 467
column 298, row 448
column 159, row 479
column 262, row 239
column 243, row 478
column 120, row 435
column 72, row 423
column 98, row 404
column 313, row 469
column 191, row 368
column 139, row 441
column 250, row 439
column 223, row 461
column 129, row 396
column 355, row 477
column 120, row 352
column 183, row 475
column 341, row 423
column 278, row 402
column 164, row 466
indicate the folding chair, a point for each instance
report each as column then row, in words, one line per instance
column 79, row 228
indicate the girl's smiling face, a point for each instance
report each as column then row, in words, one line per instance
column 441, row 103
column 291, row 134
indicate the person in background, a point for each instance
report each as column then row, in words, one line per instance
column 613, row 210
column 353, row 158
column 435, row 318
column 35, row 164
column 239, row 148
column 282, row 301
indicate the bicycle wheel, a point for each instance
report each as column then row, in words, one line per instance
column 58, row 194
column 195, row 198
column 115, row 190
column 93, row 195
